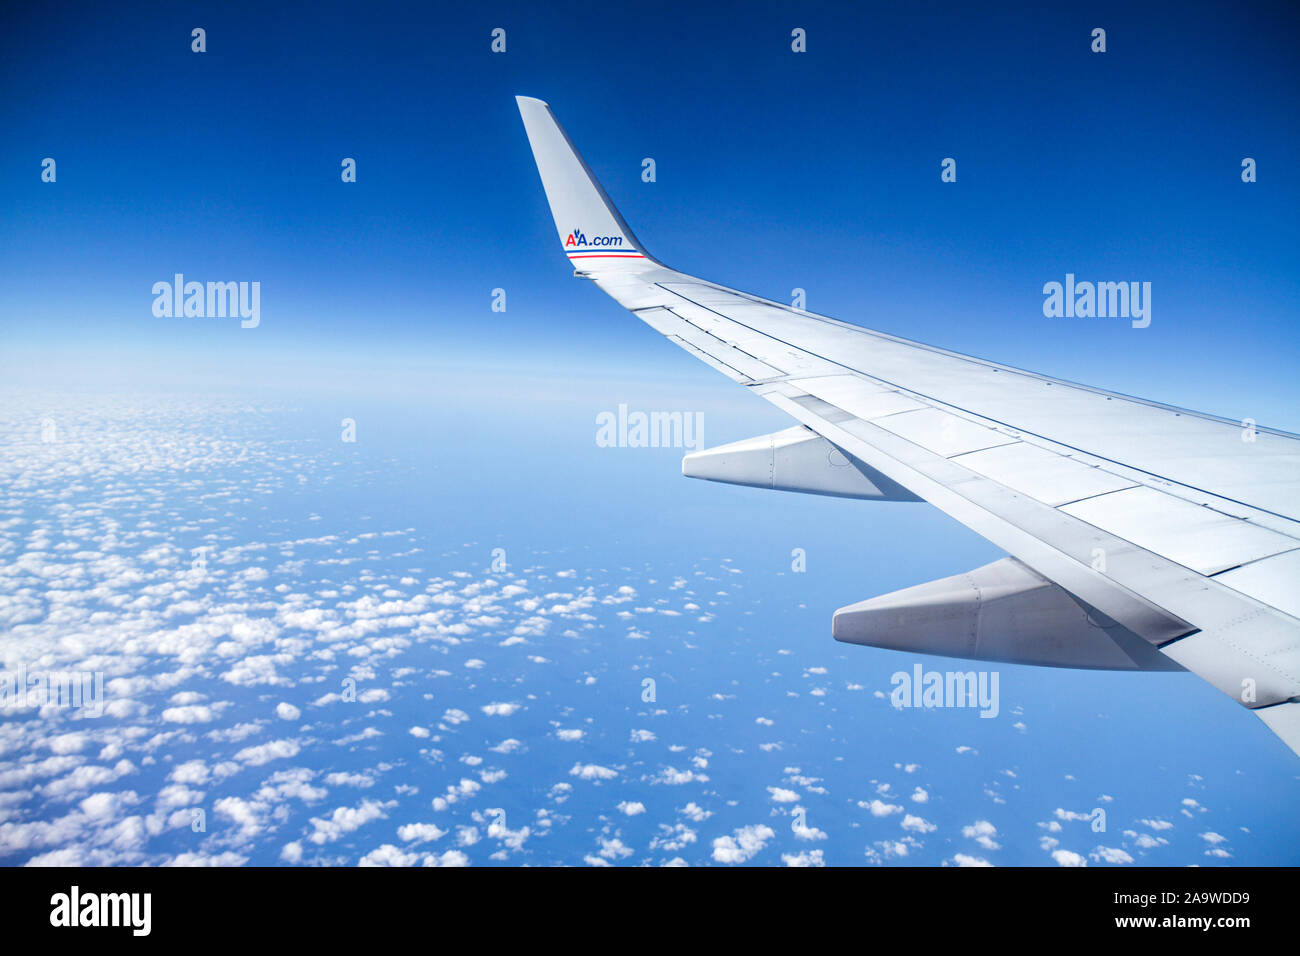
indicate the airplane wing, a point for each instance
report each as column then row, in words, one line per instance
column 1139, row 536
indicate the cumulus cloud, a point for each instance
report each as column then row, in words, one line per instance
column 879, row 808
column 742, row 845
column 592, row 771
column 419, row 832
column 264, row 753
column 807, row 858
column 1107, row 854
column 345, row 820
column 982, row 832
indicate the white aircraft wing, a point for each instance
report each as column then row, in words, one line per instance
column 1140, row 536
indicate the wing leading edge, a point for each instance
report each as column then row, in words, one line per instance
column 1141, row 536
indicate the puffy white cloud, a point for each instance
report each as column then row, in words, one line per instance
column 248, row 815
column 676, row 778
column 1068, row 858
column 344, row 820
column 983, row 833
column 457, row 792
column 68, row 743
column 192, row 714
column 1107, row 854
column 192, row 771
column 592, row 771
column 447, row 858
column 389, row 855
column 692, row 811
column 419, row 832
column 807, row 858
column 264, row 753
column 742, row 845
column 804, row 832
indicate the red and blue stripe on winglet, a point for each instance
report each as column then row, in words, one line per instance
column 593, row 254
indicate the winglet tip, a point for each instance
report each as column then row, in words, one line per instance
column 521, row 100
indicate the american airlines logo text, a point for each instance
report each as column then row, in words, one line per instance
column 579, row 240
column 133, row 910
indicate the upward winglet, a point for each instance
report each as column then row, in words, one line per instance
column 593, row 234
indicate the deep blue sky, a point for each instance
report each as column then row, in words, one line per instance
column 775, row 170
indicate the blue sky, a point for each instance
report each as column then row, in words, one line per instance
column 775, row 170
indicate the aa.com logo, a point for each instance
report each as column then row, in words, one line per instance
column 579, row 240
